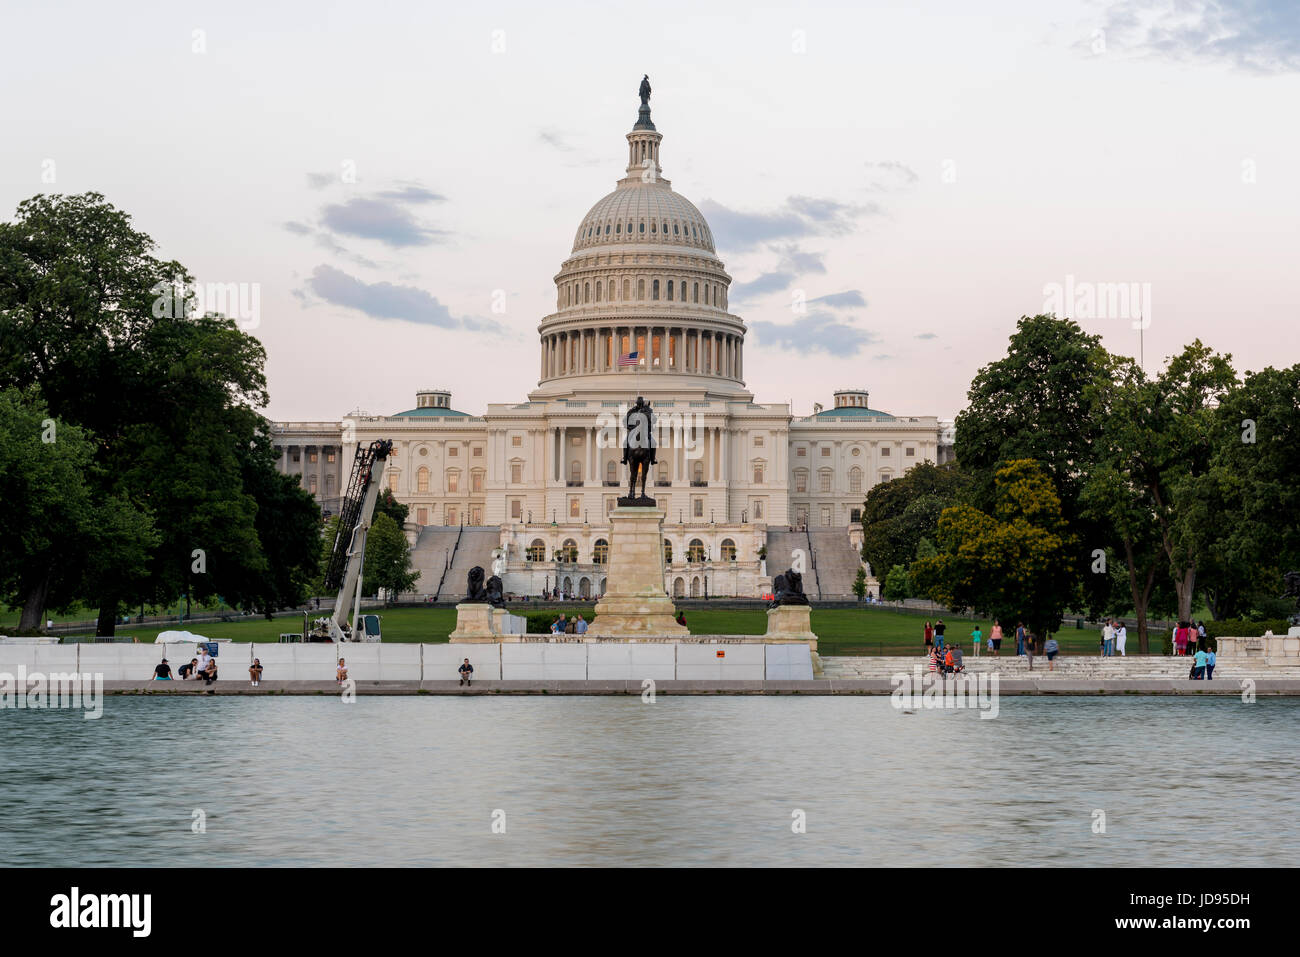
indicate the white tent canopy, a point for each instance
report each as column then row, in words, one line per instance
column 178, row 637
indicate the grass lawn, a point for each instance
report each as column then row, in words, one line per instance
column 840, row 631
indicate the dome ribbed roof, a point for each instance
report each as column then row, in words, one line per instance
column 644, row 213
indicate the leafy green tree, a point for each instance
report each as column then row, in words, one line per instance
column 1015, row 563
column 897, row 515
column 388, row 559
column 1037, row 403
column 860, row 583
column 104, row 330
column 387, row 504
column 57, row 533
column 896, row 585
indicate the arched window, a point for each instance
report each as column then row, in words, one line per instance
column 618, row 229
column 654, row 294
column 611, row 472
column 695, row 551
column 695, row 587
column 422, row 480
column 642, row 229
column 679, row 588
column 569, row 551
column 855, row 479
column 670, row 290
column 758, row 475
column 600, row 552
column 627, row 288
column 675, row 229
column 610, row 293
column 640, row 288
column 696, row 290
column 453, row 480
column 575, row 473
column 598, row 292
column 586, row 292
column 476, row 481
column 668, row 552
column 727, row 550
column 652, row 226
column 537, row 551
column 697, row 473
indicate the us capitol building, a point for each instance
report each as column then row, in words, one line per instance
column 525, row 486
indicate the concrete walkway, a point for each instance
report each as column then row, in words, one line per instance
column 832, row 686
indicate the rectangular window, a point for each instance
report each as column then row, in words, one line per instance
column 516, row 473
column 884, row 452
column 516, row 508
column 801, row 452
column 910, row 453
column 453, row 451
column 855, row 515
column 826, row 481
column 329, row 456
column 478, row 451
column 392, row 481
column 826, row 451
column 801, row 482
column 311, row 485
column 516, row 440
column 312, row 457
column 575, row 507
column 453, row 481
column 422, row 516
column 476, row 482
column 697, row 508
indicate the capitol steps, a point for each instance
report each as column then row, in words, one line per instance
column 476, row 545
column 837, row 561
column 429, row 555
column 780, row 552
column 1072, row 666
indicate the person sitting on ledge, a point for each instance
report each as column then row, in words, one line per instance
column 255, row 672
column 948, row 662
column 957, row 666
column 466, row 673
column 681, row 618
column 163, row 672
column 209, row 675
column 187, row 671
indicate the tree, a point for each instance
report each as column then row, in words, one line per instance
column 105, row 332
column 897, row 515
column 387, row 504
column 388, row 559
column 56, row 533
column 896, row 585
column 1038, row 403
column 1015, row 563
column 860, row 583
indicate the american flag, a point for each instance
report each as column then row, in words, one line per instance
column 629, row 359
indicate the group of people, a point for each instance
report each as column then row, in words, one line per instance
column 203, row 668
column 935, row 637
column 1202, row 665
column 1114, row 634
column 1190, row 637
column 571, row 626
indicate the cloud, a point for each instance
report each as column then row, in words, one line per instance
column 320, row 180
column 382, row 219
column 766, row 282
column 1259, row 36
column 817, row 332
column 841, row 300
column 412, row 193
column 794, row 259
column 798, row 217
column 386, row 300
column 925, row 335
column 889, row 175
column 298, row 229
column 554, row 138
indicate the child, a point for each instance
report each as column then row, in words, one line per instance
column 977, row 636
column 255, row 672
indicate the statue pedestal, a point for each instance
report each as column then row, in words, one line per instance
column 791, row 623
column 480, row 623
column 635, row 602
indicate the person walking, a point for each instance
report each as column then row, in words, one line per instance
column 1051, row 649
column 928, row 632
column 1121, row 636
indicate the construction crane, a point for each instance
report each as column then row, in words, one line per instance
column 347, row 559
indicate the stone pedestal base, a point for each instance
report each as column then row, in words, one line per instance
column 480, row 623
column 635, row 602
column 791, row 623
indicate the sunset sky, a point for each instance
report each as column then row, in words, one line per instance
column 392, row 174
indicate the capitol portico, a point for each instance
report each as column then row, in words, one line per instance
column 534, row 480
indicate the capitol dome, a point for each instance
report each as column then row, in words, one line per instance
column 643, row 277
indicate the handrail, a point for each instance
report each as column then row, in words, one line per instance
column 450, row 561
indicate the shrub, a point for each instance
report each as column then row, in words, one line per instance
column 1240, row 628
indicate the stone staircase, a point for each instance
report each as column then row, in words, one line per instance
column 476, row 545
column 429, row 553
column 837, row 561
column 780, row 549
column 1072, row 666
